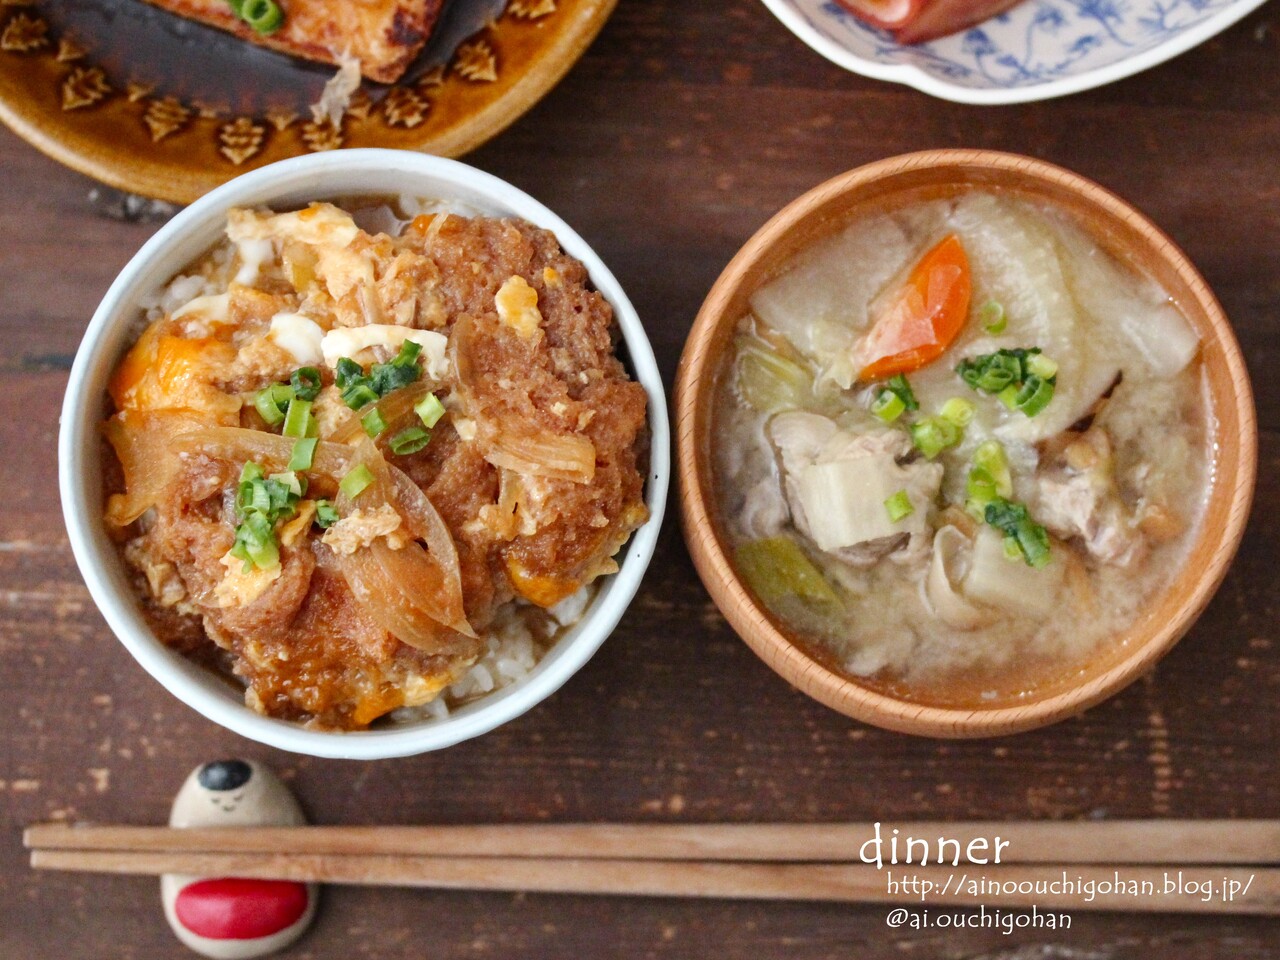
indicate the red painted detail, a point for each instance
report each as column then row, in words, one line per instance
column 233, row 909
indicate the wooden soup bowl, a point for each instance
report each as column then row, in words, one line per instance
column 1121, row 230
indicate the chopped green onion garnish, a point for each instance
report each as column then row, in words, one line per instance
column 290, row 480
column 990, row 458
column 386, row 377
column 353, row 385
column 1034, row 395
column 983, row 489
column 265, row 16
column 359, row 390
column 408, row 354
column 255, row 543
column 898, row 384
column 359, row 395
column 326, row 515
column 888, row 406
column 991, row 316
column 981, row 485
column 1033, row 539
column 265, row 554
column 304, row 453
column 409, row 440
column 306, row 383
column 373, row 423
column 347, row 372
column 264, row 402
column 992, row 372
column 429, row 409
column 899, row 506
column 297, row 422
column 932, row 435
column 284, row 495
column 355, row 482
column 1022, row 379
column 957, row 410
column 1041, row 366
column 260, row 503
column 253, row 495
column 1015, row 523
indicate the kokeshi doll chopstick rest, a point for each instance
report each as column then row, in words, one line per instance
column 227, row 918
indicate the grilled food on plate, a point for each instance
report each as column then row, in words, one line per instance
column 384, row 35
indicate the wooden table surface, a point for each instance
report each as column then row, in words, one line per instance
column 681, row 131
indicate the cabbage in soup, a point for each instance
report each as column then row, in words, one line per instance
column 960, row 448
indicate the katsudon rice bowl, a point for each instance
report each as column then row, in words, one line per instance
column 364, row 454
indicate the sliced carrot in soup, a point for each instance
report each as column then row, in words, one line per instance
column 922, row 318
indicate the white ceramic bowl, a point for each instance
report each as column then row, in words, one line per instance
column 342, row 173
column 1034, row 51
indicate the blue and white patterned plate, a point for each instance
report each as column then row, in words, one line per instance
column 1036, row 50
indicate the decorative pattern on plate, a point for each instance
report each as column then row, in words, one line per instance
column 531, row 9
column 83, row 87
column 240, row 139
column 280, row 117
column 159, row 103
column 476, row 61
column 23, row 34
column 69, row 50
column 165, row 116
column 404, row 107
column 361, row 105
column 1067, row 44
column 321, row 135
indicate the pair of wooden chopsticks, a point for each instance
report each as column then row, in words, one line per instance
column 742, row 861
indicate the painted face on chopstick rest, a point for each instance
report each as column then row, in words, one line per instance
column 226, row 918
column 234, row 793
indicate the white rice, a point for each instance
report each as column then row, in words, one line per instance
column 512, row 651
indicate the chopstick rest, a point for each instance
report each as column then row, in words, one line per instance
column 230, row 918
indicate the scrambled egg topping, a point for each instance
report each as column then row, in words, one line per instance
column 517, row 304
column 361, row 527
column 240, row 587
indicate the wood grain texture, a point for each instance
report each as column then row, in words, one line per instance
column 1156, row 841
column 683, row 129
column 822, row 882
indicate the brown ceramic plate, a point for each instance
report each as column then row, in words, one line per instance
column 152, row 103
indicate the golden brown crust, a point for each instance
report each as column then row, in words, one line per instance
column 384, row 35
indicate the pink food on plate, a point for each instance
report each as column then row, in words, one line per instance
column 915, row 21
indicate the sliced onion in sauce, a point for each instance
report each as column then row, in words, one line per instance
column 413, row 592
column 270, row 451
column 395, row 409
column 509, row 440
column 144, row 444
